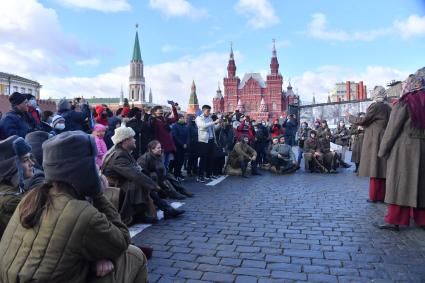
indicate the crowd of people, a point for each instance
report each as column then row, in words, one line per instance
column 84, row 174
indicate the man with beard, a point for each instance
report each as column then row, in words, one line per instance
column 283, row 158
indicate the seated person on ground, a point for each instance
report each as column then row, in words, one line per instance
column 283, row 158
column 138, row 192
column 153, row 165
column 56, row 235
column 241, row 155
column 331, row 159
column 313, row 157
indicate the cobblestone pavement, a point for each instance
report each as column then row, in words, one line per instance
column 303, row 227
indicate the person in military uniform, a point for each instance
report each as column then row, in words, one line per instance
column 313, row 157
column 342, row 136
column 331, row 159
column 283, row 158
column 357, row 133
column 241, row 155
column 323, row 129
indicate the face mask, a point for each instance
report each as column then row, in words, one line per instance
column 104, row 115
column 304, row 126
column 60, row 126
column 312, row 136
column 32, row 103
column 263, row 123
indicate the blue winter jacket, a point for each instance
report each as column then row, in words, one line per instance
column 15, row 123
column 75, row 120
column 180, row 133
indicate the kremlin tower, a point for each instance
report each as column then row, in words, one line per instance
column 193, row 106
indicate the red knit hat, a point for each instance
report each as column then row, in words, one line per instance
column 99, row 109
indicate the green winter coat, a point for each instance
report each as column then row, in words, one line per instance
column 70, row 236
column 9, row 200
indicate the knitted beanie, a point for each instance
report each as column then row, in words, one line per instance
column 56, row 119
column 17, row 98
column 21, row 147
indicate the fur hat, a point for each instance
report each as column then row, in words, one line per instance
column 64, row 104
column 121, row 134
column 8, row 166
column 378, row 94
column 21, row 147
column 17, row 98
column 35, row 140
column 70, row 157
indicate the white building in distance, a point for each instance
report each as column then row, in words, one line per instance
column 10, row 83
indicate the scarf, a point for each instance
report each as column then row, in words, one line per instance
column 416, row 104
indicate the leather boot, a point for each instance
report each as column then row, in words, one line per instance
column 171, row 212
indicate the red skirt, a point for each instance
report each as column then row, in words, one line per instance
column 400, row 215
column 377, row 189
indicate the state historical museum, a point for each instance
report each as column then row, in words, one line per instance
column 261, row 100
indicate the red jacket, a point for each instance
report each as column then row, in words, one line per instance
column 277, row 130
column 242, row 131
column 162, row 130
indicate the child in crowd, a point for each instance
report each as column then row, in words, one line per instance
column 98, row 133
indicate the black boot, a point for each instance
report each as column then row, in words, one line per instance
column 243, row 168
column 171, row 212
column 386, row 226
column 183, row 191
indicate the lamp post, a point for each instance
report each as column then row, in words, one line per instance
column 10, row 83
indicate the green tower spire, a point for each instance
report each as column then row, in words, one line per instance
column 136, row 50
column 193, row 98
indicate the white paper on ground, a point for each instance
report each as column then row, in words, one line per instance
column 335, row 147
column 216, row 181
column 137, row 228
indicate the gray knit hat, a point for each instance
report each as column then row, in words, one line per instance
column 70, row 157
column 64, row 104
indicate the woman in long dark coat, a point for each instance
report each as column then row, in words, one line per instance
column 358, row 134
column 404, row 146
column 374, row 122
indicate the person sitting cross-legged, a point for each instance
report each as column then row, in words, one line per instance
column 283, row 158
